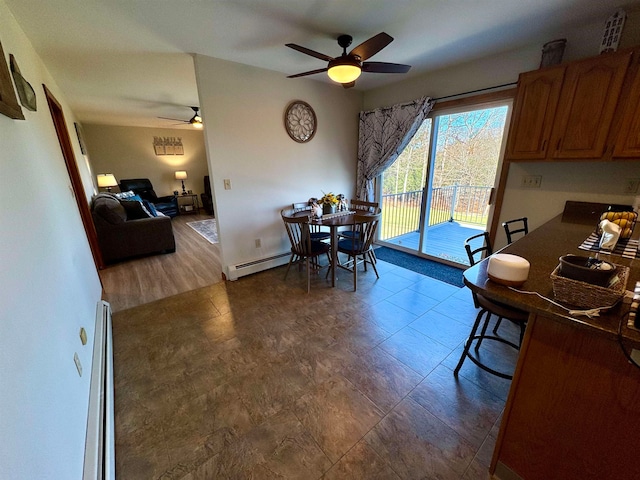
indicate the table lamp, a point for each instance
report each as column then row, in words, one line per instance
column 106, row 180
column 182, row 175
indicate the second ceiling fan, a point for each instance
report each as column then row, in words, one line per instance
column 195, row 121
column 346, row 68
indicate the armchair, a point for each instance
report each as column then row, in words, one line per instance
column 143, row 187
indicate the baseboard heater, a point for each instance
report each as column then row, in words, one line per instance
column 247, row 268
column 99, row 455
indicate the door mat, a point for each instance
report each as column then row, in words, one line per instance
column 439, row 271
column 207, row 228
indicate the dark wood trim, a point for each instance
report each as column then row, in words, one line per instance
column 507, row 94
column 57, row 115
column 502, row 185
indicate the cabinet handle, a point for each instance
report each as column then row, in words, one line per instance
column 544, row 145
column 558, row 145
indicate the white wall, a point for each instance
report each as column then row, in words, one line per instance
column 49, row 287
column 581, row 181
column 243, row 109
column 128, row 152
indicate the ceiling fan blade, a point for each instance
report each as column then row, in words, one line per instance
column 384, row 67
column 313, row 53
column 349, row 85
column 312, row 72
column 175, row 119
column 372, row 46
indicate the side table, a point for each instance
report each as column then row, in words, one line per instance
column 188, row 204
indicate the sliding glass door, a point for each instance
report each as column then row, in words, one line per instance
column 438, row 191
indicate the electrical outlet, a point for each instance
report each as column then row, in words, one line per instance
column 531, row 181
column 631, row 185
column 258, row 243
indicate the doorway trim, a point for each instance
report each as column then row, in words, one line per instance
column 57, row 115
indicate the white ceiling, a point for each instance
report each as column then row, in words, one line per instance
column 127, row 62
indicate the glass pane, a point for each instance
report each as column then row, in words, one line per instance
column 402, row 185
column 459, row 172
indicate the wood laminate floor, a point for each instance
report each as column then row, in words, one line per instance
column 195, row 263
column 256, row 379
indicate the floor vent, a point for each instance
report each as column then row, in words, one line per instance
column 99, row 456
column 247, row 268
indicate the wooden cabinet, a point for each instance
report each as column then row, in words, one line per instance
column 567, row 112
column 533, row 113
column 587, row 103
column 574, row 407
column 627, row 141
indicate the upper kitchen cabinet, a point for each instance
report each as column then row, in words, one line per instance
column 588, row 101
column 627, row 140
column 566, row 112
column 533, row 113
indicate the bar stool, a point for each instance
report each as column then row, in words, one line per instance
column 524, row 227
column 487, row 308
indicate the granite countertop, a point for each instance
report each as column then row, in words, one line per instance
column 542, row 248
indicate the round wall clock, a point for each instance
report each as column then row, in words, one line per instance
column 300, row 121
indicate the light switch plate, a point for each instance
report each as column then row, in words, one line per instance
column 76, row 360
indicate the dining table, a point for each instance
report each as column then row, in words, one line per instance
column 333, row 221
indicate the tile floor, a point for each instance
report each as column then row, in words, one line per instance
column 256, row 379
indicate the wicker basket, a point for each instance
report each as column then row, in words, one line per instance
column 586, row 295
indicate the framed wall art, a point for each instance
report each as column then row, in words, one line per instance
column 8, row 101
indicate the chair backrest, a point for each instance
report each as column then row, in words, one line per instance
column 510, row 227
column 361, row 205
column 298, row 231
column 365, row 227
column 484, row 250
column 140, row 186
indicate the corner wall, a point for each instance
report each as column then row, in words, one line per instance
column 128, row 152
column 243, row 111
column 49, row 287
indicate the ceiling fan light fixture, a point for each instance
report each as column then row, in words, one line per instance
column 344, row 70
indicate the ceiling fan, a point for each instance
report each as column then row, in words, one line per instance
column 346, row 68
column 196, row 120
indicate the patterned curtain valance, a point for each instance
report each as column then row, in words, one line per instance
column 383, row 134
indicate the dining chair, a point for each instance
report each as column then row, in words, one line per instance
column 317, row 233
column 359, row 248
column 524, row 227
column 487, row 309
column 360, row 206
column 303, row 248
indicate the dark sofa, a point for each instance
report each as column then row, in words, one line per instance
column 143, row 187
column 129, row 232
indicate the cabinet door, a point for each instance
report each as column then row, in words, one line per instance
column 628, row 140
column 533, row 113
column 587, row 104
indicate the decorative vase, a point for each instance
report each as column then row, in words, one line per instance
column 328, row 209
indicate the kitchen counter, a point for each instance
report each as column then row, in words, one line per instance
column 542, row 248
column 573, row 410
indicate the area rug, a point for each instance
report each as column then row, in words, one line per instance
column 207, row 228
column 439, row 271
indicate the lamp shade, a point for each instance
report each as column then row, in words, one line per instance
column 344, row 70
column 106, row 180
column 181, row 175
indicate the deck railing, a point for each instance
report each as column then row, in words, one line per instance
column 462, row 203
